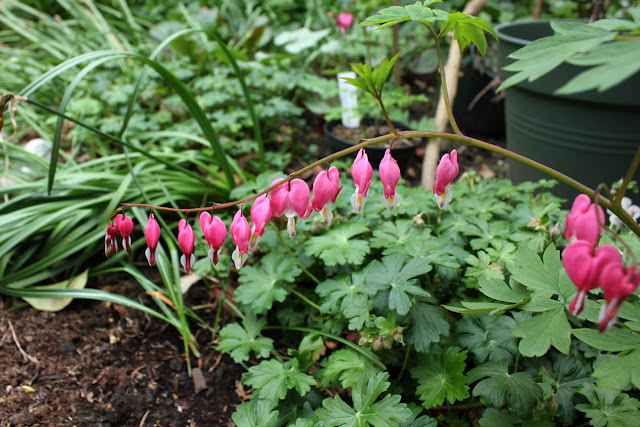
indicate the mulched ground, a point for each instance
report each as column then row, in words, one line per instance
column 97, row 364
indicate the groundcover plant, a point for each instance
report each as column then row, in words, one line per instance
column 384, row 305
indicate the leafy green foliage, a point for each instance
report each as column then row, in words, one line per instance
column 518, row 389
column 239, row 341
column 561, row 379
column 467, row 29
column 597, row 45
column 542, row 276
column 427, row 325
column 347, row 366
column 259, row 285
column 397, row 275
column 441, row 377
column 367, row 410
column 255, row 413
column 338, row 246
column 488, row 337
column 372, row 81
column 271, row 379
column 609, row 407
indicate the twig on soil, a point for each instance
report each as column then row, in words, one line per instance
column 215, row 365
column 24, row 353
column 144, row 418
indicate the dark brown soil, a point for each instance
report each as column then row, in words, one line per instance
column 98, row 364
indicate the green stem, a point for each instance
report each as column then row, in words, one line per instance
column 443, row 83
column 346, row 342
column 404, row 362
column 290, row 252
column 299, row 295
column 386, row 116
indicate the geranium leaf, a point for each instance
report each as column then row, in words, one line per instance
column 348, row 366
column 255, row 413
column 337, row 247
column 441, row 377
column 427, row 325
column 488, row 337
column 272, row 378
column 239, row 341
column 367, row 409
column 620, row 372
column 540, row 332
column 396, row 276
column 609, row 407
column 519, row 389
column 259, row 284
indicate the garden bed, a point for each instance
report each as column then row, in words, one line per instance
column 98, row 364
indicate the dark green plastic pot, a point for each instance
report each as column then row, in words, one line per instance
column 590, row 136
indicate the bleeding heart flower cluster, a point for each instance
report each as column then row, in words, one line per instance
column 291, row 199
column 591, row 266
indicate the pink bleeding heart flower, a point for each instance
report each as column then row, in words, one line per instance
column 111, row 240
column 326, row 188
column 617, row 283
column 241, row 234
column 261, row 213
column 215, row 232
column 152, row 233
column 582, row 222
column 186, row 240
column 362, row 172
column 389, row 175
column 125, row 227
column 344, row 21
column 290, row 199
column 585, row 266
column 446, row 171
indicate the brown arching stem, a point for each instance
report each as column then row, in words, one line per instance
column 604, row 201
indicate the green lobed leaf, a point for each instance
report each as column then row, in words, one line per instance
column 367, row 409
column 427, row 325
column 540, row 332
column 239, row 341
column 620, row 372
column 492, row 417
column 441, row 377
column 255, row 413
column 609, row 407
column 519, row 389
column 616, row 339
column 259, row 284
column 468, row 29
column 396, row 14
column 348, row 366
column 397, row 275
column 338, row 247
column 543, row 55
column 488, row 337
column 271, row 379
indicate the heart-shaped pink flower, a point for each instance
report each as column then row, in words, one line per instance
column 389, row 175
column 326, row 187
column 290, row 199
column 362, row 171
column 186, row 240
column 584, row 267
column 446, row 171
column 215, row 232
column 582, row 222
column 617, row 284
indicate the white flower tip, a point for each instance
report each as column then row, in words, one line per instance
column 291, row 227
column 445, row 198
column 238, row 258
column 327, row 215
column 358, row 202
